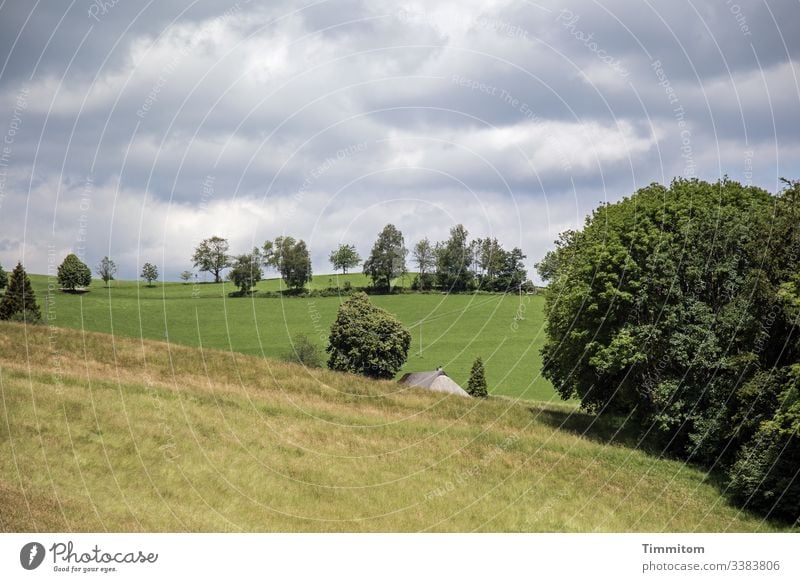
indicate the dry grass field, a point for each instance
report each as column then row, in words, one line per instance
column 102, row 433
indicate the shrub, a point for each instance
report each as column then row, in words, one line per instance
column 73, row 273
column 304, row 352
column 367, row 340
column 476, row 386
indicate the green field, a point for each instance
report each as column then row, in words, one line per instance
column 447, row 330
column 102, row 433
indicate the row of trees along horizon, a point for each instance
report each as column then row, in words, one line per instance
column 455, row 265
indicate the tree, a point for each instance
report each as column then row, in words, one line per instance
column 367, row 340
column 425, row 259
column 186, row 276
column 149, row 273
column 19, row 301
column 3, row 278
column 246, row 271
column 512, row 273
column 73, row 273
column 674, row 309
column 291, row 259
column 387, row 260
column 106, row 270
column 304, row 352
column 476, row 386
column 345, row 257
column 211, row 255
column 453, row 261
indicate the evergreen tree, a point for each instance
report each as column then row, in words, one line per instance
column 476, row 386
column 19, row 302
column 3, row 278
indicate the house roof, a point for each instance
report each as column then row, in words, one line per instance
column 436, row 381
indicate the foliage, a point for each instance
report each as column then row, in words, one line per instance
column 476, row 386
column 425, row 259
column 149, row 273
column 367, row 340
column 291, row 259
column 3, row 278
column 211, row 255
column 19, row 301
column 246, row 271
column 73, row 273
column 668, row 306
column 304, row 352
column 454, row 261
column 345, row 257
column 106, row 270
column 186, row 276
column 387, row 260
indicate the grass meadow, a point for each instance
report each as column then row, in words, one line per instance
column 108, row 433
column 447, row 330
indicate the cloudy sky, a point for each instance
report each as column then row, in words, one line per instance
column 136, row 129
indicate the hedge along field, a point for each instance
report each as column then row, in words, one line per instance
column 447, row 330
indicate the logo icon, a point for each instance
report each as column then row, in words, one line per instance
column 31, row 555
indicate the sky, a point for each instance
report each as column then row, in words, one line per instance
column 135, row 130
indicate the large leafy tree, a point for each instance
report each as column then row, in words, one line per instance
column 673, row 307
column 454, row 262
column 387, row 260
column 367, row 340
column 246, row 271
column 291, row 259
column 344, row 257
column 73, row 273
column 211, row 255
column 19, row 301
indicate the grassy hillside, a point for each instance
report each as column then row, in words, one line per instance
column 448, row 330
column 108, row 433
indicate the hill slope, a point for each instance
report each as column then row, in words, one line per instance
column 447, row 330
column 103, row 433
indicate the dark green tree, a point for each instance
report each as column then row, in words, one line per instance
column 211, row 255
column 19, row 301
column 344, row 257
column 149, row 273
column 387, row 260
column 367, row 340
column 454, row 262
column 674, row 307
column 476, row 386
column 106, row 270
column 3, row 278
column 246, row 271
column 73, row 273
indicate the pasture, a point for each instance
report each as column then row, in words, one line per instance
column 447, row 330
